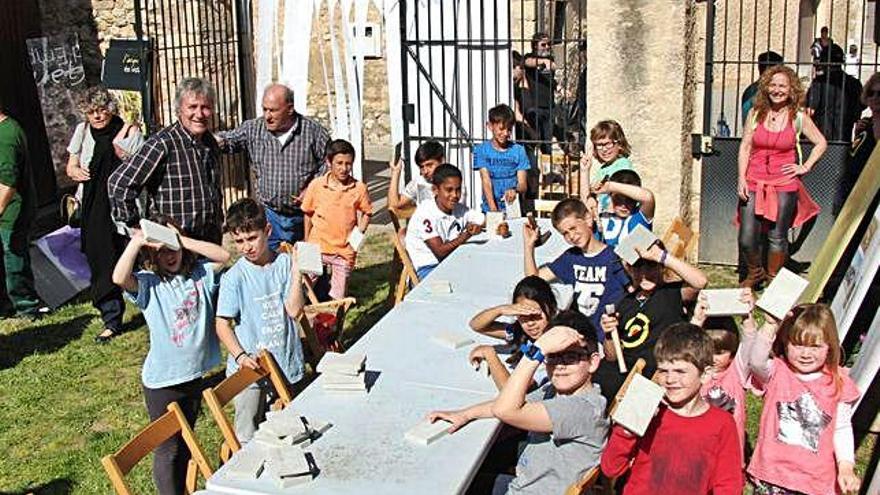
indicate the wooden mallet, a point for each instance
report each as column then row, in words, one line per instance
column 615, row 339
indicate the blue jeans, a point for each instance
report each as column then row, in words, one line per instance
column 284, row 228
column 423, row 271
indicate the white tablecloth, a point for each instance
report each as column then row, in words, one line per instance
column 365, row 450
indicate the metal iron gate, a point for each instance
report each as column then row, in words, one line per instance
column 208, row 39
column 737, row 33
column 457, row 60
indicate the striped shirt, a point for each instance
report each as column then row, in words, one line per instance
column 180, row 175
column 283, row 171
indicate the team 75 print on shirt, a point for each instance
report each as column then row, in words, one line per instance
column 597, row 279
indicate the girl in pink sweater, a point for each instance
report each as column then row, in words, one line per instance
column 805, row 443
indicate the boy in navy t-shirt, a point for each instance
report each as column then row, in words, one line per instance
column 503, row 164
column 631, row 205
column 590, row 267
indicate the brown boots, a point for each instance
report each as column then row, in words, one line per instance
column 755, row 274
column 775, row 260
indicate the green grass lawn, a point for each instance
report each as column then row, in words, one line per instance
column 65, row 402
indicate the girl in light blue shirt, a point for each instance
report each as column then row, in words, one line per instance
column 175, row 292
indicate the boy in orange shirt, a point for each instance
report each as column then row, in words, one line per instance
column 334, row 205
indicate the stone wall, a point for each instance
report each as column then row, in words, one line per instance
column 376, row 121
column 641, row 74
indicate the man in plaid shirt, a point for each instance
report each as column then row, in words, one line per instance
column 178, row 167
column 287, row 152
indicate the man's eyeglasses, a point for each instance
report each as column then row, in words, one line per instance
column 567, row 357
column 872, row 93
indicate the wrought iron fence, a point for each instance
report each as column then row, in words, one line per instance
column 460, row 58
column 208, row 39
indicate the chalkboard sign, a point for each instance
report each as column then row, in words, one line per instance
column 124, row 64
column 56, row 61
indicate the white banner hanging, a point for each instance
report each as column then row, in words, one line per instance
column 264, row 47
column 295, row 51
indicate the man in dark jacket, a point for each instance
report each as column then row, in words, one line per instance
column 834, row 96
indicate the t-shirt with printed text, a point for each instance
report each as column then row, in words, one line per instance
column 429, row 221
column 616, row 229
column 254, row 296
column 502, row 165
column 597, row 279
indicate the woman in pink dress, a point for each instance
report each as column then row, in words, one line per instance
column 770, row 168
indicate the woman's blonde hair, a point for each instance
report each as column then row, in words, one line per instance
column 812, row 324
column 612, row 130
column 796, row 92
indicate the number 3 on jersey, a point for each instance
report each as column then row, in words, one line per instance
column 589, row 295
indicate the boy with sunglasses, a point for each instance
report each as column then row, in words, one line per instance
column 564, row 419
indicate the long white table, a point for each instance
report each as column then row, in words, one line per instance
column 484, row 273
column 365, row 450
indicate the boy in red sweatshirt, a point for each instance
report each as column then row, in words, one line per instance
column 690, row 447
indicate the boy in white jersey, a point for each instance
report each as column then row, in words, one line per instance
column 438, row 227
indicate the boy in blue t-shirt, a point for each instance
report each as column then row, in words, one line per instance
column 503, row 164
column 592, row 269
column 631, row 205
column 263, row 293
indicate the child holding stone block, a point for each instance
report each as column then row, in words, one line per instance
column 262, row 293
column 690, row 447
column 175, row 291
column 641, row 315
column 335, row 205
column 729, row 378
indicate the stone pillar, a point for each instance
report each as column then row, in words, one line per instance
column 642, row 74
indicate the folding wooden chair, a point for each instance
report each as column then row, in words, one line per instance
column 407, row 274
column 544, row 207
column 583, row 485
column 562, row 165
column 315, row 347
column 217, row 397
column 678, row 238
column 169, row 424
column 398, row 214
